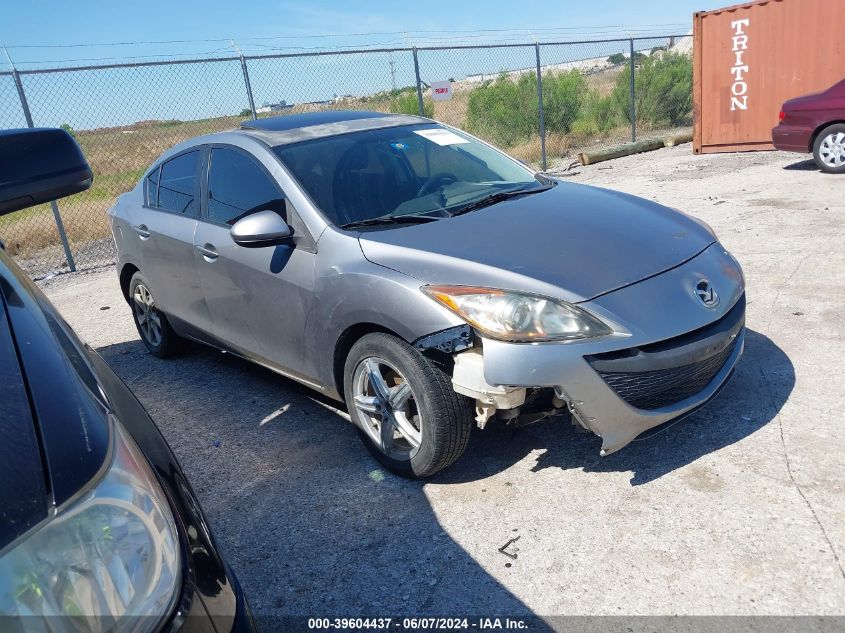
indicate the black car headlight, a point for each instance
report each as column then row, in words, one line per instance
column 110, row 553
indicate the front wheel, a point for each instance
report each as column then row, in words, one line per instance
column 829, row 149
column 403, row 404
column 152, row 324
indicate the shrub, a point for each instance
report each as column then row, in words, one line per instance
column 616, row 59
column 503, row 111
column 405, row 102
column 506, row 112
column 67, row 128
column 246, row 112
column 564, row 95
column 663, row 90
column 599, row 115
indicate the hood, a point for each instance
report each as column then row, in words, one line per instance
column 67, row 419
column 573, row 242
column 23, row 493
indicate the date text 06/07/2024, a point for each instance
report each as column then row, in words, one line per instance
column 417, row 624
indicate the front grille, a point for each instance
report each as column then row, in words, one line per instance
column 665, row 387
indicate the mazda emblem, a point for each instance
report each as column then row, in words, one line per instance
column 706, row 294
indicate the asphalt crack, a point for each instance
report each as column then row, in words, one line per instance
column 784, row 285
column 788, row 462
column 795, row 483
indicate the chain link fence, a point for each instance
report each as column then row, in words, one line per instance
column 542, row 103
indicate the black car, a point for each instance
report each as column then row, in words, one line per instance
column 99, row 528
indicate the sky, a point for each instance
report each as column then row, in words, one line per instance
column 49, row 34
column 299, row 25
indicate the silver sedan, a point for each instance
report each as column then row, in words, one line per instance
column 429, row 281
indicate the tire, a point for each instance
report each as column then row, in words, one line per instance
column 829, row 149
column 429, row 423
column 153, row 327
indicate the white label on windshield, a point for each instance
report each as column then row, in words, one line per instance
column 441, row 136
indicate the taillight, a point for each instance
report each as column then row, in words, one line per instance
column 782, row 115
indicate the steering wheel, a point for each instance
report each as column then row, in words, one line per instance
column 435, row 182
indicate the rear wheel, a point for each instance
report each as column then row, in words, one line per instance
column 406, row 411
column 829, row 149
column 155, row 330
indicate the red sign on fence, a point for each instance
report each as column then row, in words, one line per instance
column 441, row 90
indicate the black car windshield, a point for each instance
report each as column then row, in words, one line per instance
column 416, row 170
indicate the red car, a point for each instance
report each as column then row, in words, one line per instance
column 815, row 123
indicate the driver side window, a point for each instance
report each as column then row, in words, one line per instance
column 238, row 187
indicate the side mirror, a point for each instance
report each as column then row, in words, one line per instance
column 39, row 165
column 265, row 228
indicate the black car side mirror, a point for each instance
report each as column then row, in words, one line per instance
column 265, row 228
column 40, row 165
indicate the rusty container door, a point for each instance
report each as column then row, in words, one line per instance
column 750, row 58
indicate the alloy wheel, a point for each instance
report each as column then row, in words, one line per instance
column 149, row 320
column 387, row 408
column 832, row 149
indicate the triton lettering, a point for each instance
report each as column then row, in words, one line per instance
column 739, row 89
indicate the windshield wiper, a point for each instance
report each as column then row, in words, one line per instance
column 500, row 196
column 409, row 218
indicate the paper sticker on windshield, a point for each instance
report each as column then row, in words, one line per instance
column 441, row 136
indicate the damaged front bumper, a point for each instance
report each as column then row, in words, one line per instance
column 669, row 356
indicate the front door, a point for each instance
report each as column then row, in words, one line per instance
column 258, row 298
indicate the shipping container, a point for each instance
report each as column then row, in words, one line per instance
column 750, row 58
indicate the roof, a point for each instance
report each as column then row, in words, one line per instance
column 307, row 119
column 292, row 128
column 735, row 7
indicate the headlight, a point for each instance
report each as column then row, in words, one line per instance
column 517, row 316
column 110, row 554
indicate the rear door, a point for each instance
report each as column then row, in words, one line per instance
column 258, row 298
column 165, row 235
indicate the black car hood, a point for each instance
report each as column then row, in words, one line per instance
column 64, row 412
column 23, row 490
column 574, row 241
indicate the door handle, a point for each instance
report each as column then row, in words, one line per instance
column 208, row 251
column 142, row 231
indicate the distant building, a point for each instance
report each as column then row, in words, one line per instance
column 267, row 108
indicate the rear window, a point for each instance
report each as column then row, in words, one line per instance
column 176, row 189
column 151, row 187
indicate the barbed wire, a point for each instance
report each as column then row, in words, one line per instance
column 254, row 45
column 581, row 29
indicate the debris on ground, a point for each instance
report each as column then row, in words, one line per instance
column 504, row 547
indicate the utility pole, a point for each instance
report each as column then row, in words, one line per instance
column 392, row 72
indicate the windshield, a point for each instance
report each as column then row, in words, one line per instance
column 416, row 170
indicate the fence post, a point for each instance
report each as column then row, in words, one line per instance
column 633, row 107
column 55, row 207
column 542, row 115
column 248, row 87
column 419, row 83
